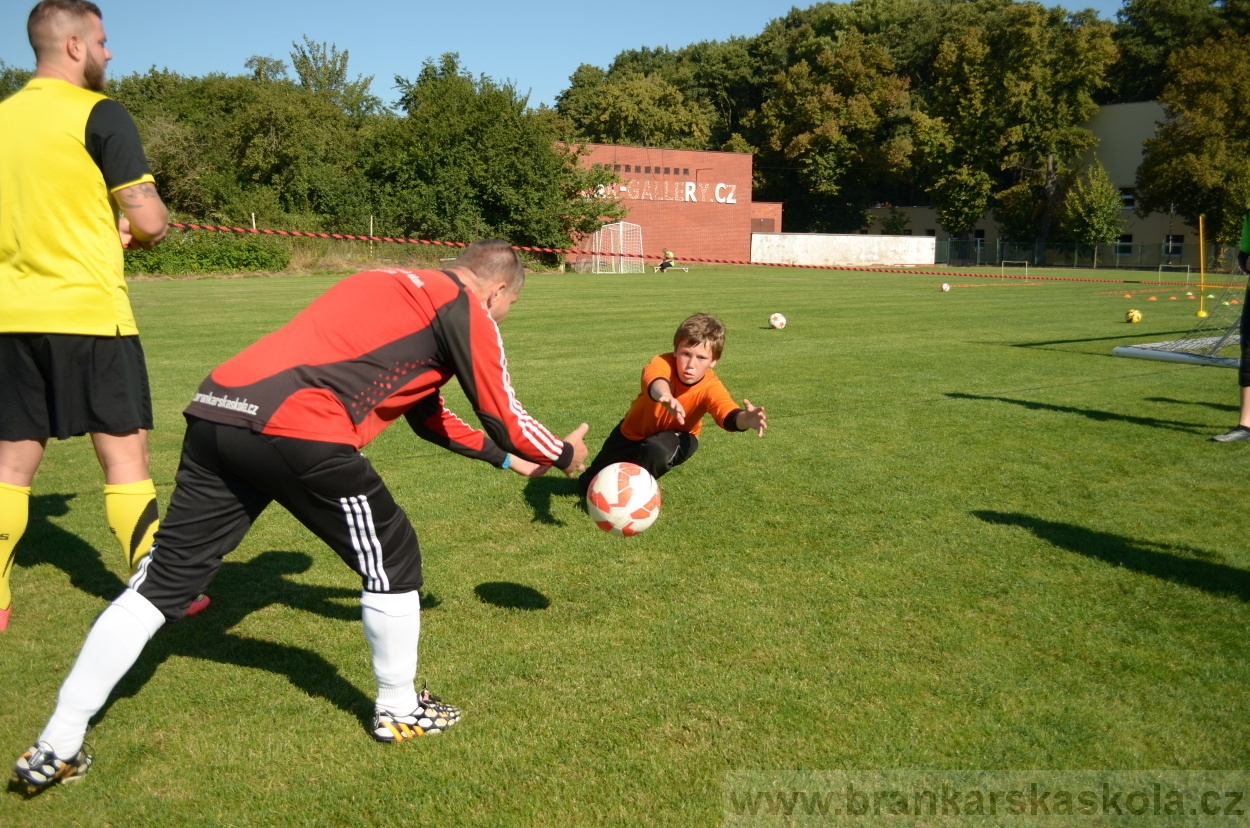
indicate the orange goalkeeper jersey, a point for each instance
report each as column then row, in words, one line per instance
column 707, row 396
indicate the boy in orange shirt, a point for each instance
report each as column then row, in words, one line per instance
column 661, row 428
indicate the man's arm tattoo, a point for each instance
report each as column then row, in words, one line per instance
column 134, row 196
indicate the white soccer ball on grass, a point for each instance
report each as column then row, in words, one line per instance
column 623, row 499
column 777, row 321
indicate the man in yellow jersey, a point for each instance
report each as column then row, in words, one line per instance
column 75, row 188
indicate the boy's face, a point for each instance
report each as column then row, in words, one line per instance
column 693, row 361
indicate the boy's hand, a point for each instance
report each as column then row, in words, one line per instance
column 576, row 439
column 753, row 417
column 674, row 407
column 525, row 468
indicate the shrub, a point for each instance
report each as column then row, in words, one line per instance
column 197, row 251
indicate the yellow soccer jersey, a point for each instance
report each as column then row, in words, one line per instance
column 63, row 150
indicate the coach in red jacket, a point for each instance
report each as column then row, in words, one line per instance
column 284, row 421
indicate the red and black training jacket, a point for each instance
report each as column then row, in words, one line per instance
column 377, row 345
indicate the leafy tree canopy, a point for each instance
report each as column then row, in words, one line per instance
column 1198, row 162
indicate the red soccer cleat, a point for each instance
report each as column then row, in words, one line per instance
column 200, row 604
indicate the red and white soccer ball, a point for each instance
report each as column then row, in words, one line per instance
column 624, row 499
column 776, row 321
column 945, row 288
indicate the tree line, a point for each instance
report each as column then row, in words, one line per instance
column 973, row 107
column 303, row 145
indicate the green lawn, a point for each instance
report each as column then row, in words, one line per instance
column 972, row 539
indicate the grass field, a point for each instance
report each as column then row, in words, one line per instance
column 971, row 539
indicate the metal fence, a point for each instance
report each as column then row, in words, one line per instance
column 1165, row 257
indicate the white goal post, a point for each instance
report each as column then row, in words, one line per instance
column 1003, row 266
column 1175, row 267
column 617, row 248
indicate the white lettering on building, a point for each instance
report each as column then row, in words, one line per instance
column 687, row 191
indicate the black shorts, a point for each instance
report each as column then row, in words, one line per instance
column 658, row 453
column 226, row 478
column 64, row 385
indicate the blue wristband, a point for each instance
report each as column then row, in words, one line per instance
column 507, row 461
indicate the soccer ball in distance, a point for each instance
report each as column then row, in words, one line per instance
column 623, row 499
column 776, row 321
column 1133, row 316
column 945, row 287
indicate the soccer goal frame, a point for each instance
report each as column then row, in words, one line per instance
column 1213, row 341
column 1175, row 267
column 1002, row 266
column 617, row 248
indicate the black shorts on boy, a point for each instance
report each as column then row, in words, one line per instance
column 658, row 454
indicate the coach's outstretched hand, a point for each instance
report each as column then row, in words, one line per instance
column 577, row 439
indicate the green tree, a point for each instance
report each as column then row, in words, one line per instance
column 470, row 160
column 844, row 123
column 633, row 108
column 895, row 223
column 1091, row 208
column 322, row 69
column 12, row 79
column 266, row 68
column 1008, row 105
column 1199, row 159
column 225, row 147
column 1147, row 33
column 724, row 81
column 959, row 139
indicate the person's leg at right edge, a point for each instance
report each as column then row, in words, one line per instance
column 1241, row 431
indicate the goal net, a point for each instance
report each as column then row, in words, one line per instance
column 1215, row 340
column 617, row 248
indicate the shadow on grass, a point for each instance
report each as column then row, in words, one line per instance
column 1136, row 335
column 1211, row 405
column 238, row 590
column 1092, row 414
column 47, row 543
column 1166, row 562
column 539, row 492
column 508, row 595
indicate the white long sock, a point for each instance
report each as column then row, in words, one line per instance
column 393, row 627
column 112, row 647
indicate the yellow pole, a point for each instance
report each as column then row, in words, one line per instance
column 1202, row 269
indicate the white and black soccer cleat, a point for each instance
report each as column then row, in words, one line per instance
column 431, row 716
column 39, row 768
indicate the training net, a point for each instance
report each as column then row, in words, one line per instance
column 617, row 248
column 1215, row 340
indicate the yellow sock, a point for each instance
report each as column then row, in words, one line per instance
column 14, row 513
column 132, row 515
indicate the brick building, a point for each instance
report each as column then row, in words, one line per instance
column 695, row 203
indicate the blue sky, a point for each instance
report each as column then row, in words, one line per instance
column 537, row 46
